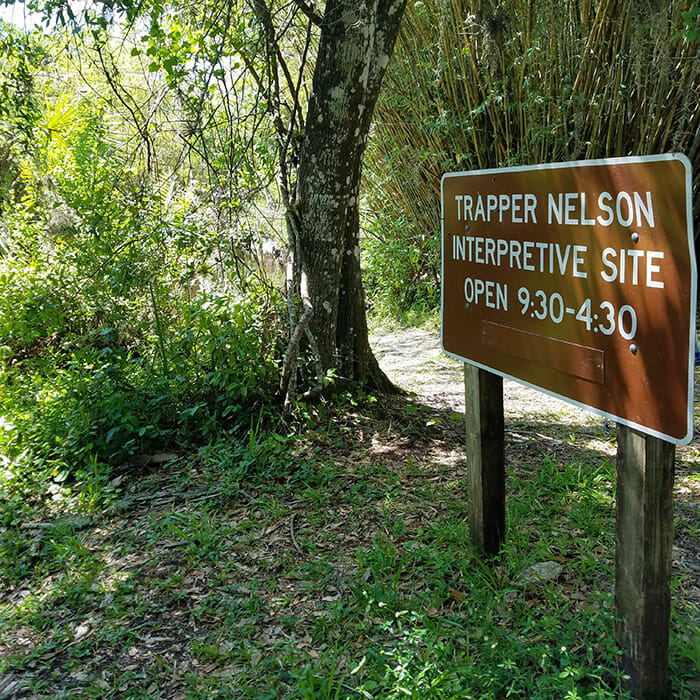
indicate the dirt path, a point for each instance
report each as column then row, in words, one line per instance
column 414, row 360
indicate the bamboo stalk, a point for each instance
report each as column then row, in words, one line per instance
column 578, row 79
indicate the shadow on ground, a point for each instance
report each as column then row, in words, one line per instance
column 258, row 574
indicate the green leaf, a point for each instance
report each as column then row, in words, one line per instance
column 170, row 63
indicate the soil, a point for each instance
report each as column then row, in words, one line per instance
column 414, row 360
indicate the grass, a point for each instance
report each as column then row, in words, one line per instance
column 334, row 565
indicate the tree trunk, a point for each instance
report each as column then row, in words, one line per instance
column 357, row 39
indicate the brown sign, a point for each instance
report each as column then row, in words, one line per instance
column 578, row 279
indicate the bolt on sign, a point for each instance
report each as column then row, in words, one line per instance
column 578, row 279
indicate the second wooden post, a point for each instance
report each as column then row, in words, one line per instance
column 483, row 394
column 643, row 560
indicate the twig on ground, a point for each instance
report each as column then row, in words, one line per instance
column 291, row 532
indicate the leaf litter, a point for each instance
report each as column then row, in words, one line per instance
column 193, row 586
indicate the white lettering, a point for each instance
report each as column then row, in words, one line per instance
column 491, row 204
column 468, row 208
column 604, row 207
column 494, row 295
column 569, row 208
column 651, row 268
column 478, row 246
column 515, row 209
column 459, row 248
column 469, row 290
column 578, row 260
column 530, row 206
column 502, row 249
column 617, row 270
column 503, row 205
column 490, row 251
column 612, row 275
column 489, row 295
column 554, row 208
column 515, row 250
column 647, row 210
column 624, row 220
column 622, row 266
column 502, row 296
column 584, row 220
column 635, row 255
column 562, row 261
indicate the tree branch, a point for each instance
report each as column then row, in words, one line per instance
column 309, row 12
column 141, row 128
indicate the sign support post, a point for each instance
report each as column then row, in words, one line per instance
column 644, row 540
column 579, row 279
column 483, row 397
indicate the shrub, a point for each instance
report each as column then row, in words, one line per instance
column 401, row 268
column 101, row 402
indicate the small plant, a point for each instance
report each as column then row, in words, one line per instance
column 401, row 269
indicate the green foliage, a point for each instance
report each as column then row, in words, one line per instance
column 401, row 268
column 327, row 565
column 476, row 85
column 691, row 24
column 21, row 55
column 127, row 325
column 66, row 408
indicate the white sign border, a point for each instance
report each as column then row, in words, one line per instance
column 626, row 160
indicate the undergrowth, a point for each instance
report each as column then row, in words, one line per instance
column 336, row 564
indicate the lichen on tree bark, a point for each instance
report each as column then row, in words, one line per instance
column 357, row 39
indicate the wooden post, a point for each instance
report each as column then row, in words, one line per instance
column 644, row 534
column 483, row 397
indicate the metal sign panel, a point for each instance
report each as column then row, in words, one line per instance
column 578, row 279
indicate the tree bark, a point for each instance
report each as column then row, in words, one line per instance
column 356, row 42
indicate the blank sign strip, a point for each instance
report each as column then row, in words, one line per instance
column 569, row 358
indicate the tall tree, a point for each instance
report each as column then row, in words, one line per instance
column 319, row 73
column 357, row 39
column 322, row 197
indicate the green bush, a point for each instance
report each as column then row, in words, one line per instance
column 401, row 268
column 35, row 310
column 130, row 319
column 101, row 402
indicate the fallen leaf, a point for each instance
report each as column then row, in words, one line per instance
column 81, row 631
column 542, row 571
column 457, row 595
